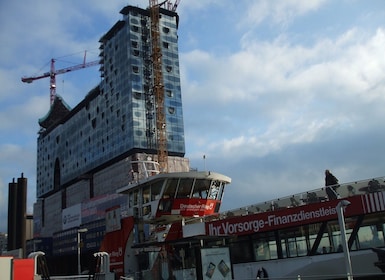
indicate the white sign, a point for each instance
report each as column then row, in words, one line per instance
column 71, row 217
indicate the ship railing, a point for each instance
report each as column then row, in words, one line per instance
column 72, row 277
column 143, row 169
column 324, row 277
column 344, row 190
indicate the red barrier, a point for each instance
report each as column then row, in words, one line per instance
column 23, row 269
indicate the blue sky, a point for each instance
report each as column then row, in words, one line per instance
column 274, row 92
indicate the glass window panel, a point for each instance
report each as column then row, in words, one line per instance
column 170, row 188
column 156, row 189
column 201, row 188
column 185, row 187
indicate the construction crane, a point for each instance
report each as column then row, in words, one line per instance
column 158, row 88
column 172, row 7
column 52, row 74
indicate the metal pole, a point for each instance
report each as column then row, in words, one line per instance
column 341, row 220
column 79, row 264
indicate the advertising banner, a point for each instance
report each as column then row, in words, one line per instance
column 71, row 217
column 291, row 217
column 216, row 263
column 113, row 219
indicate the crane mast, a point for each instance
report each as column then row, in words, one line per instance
column 158, row 88
column 52, row 75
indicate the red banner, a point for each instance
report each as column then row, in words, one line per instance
column 291, row 217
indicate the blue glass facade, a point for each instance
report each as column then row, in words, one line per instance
column 117, row 118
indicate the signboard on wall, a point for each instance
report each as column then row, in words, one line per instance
column 113, row 219
column 216, row 263
column 71, row 217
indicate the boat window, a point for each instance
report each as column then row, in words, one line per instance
column 170, row 188
column 334, row 230
column 130, row 199
column 325, row 246
column 136, row 197
column 265, row 248
column 294, row 244
column 201, row 188
column 182, row 258
column 370, row 236
column 215, row 190
column 146, row 194
column 241, row 251
column 185, row 187
column 156, row 189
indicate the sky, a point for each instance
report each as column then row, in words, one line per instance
column 274, row 92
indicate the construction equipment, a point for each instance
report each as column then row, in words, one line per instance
column 172, row 7
column 157, row 87
column 52, row 74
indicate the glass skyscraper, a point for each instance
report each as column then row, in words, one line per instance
column 118, row 117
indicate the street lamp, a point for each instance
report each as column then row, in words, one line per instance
column 341, row 220
column 80, row 230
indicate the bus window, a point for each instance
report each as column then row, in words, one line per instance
column 170, row 189
column 201, row 188
column 185, row 186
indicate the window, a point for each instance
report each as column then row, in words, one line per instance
column 134, row 28
column 155, row 190
column 201, row 188
column 265, row 247
column 135, row 69
column 241, row 250
column 171, row 110
column 170, row 188
column 146, row 194
column 184, row 188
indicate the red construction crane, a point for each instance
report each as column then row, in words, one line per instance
column 52, row 74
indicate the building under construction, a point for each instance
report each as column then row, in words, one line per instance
column 86, row 153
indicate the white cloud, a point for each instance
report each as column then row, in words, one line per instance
column 280, row 12
column 266, row 104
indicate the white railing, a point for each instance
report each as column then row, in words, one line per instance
column 317, row 195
